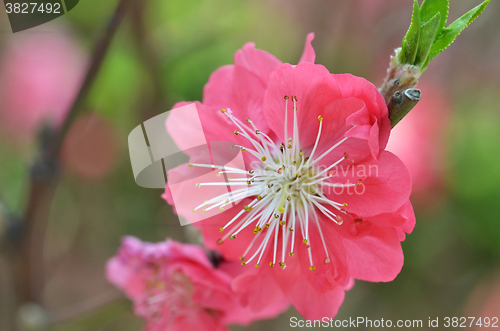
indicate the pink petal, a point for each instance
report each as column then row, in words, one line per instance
column 377, row 257
column 256, row 61
column 314, row 88
column 310, row 303
column 309, row 55
column 352, row 86
column 385, row 186
column 326, row 276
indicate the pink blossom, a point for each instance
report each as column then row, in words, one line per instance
column 322, row 200
column 174, row 286
column 39, row 77
column 90, row 148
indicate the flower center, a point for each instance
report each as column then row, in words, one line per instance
column 288, row 188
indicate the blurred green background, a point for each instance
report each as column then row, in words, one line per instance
column 164, row 53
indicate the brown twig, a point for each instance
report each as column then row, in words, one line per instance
column 44, row 174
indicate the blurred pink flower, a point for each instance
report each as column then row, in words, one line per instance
column 310, row 139
column 419, row 140
column 39, row 77
column 484, row 303
column 90, row 148
column 174, row 286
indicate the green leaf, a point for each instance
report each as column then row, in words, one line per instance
column 429, row 9
column 448, row 35
column 428, row 33
column 410, row 41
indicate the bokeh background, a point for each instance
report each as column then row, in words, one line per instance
column 163, row 53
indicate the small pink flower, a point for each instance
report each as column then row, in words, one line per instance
column 39, row 77
column 323, row 200
column 174, row 286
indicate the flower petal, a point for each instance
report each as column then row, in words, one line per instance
column 377, row 257
column 314, row 88
column 308, row 55
column 385, row 186
column 310, row 303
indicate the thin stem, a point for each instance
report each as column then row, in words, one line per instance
column 44, row 173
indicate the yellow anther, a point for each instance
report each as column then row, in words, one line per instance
column 290, row 139
column 243, row 264
column 228, row 179
column 297, row 175
column 282, row 222
column 289, row 198
column 232, row 236
column 198, row 185
column 249, row 182
column 190, row 165
column 286, row 97
column 203, row 210
column 263, row 158
column 267, row 225
column 344, row 204
column 271, row 264
column 221, row 208
column 251, row 172
column 227, row 201
column 221, row 229
column 257, row 132
column 304, row 241
column 259, row 197
column 301, row 153
column 218, row 175
column 282, row 265
column 327, row 260
column 294, row 98
column 242, row 258
column 257, row 265
column 346, row 155
column 290, row 254
column 246, row 208
column 312, row 268
column 276, row 216
column 236, row 132
column 257, row 229
column 223, row 111
column 194, row 211
column 249, row 121
column 290, row 229
column 320, row 118
column 289, row 146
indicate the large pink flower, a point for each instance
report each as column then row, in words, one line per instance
column 322, row 199
column 174, row 286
